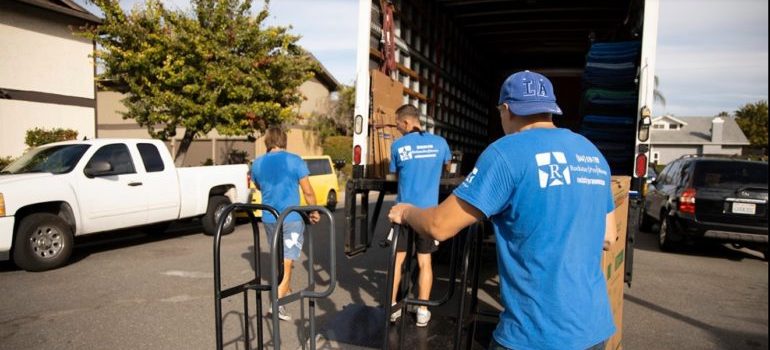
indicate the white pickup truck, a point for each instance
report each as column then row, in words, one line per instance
column 61, row 190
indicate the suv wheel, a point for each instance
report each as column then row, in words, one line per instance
column 667, row 236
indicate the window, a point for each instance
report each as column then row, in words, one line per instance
column 150, row 157
column 54, row 159
column 655, row 157
column 659, row 126
column 318, row 166
column 717, row 173
column 117, row 155
column 675, row 173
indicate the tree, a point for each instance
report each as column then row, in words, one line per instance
column 218, row 68
column 752, row 118
column 657, row 96
column 339, row 120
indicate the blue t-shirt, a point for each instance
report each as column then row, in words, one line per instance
column 278, row 173
column 547, row 193
column 418, row 158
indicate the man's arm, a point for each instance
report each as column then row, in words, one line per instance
column 441, row 222
column 611, row 231
column 309, row 194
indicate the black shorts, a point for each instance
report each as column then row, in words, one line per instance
column 425, row 245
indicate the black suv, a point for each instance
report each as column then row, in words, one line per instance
column 708, row 197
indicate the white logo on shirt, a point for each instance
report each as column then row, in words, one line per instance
column 405, row 153
column 552, row 173
column 469, row 178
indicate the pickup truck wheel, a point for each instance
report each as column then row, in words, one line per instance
column 666, row 235
column 331, row 201
column 43, row 242
column 214, row 211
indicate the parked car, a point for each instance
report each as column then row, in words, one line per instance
column 323, row 179
column 697, row 197
column 651, row 174
column 65, row 189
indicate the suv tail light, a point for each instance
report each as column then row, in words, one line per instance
column 687, row 201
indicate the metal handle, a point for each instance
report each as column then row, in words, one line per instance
column 311, row 295
column 218, row 293
column 133, row 184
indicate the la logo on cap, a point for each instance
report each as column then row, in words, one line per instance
column 532, row 88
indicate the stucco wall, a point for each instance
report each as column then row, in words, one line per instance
column 16, row 117
column 316, row 98
column 38, row 52
column 39, row 55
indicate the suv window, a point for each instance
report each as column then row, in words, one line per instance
column 676, row 173
column 668, row 173
column 318, row 166
column 117, row 155
column 150, row 157
column 714, row 173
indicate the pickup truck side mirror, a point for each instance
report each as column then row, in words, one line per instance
column 98, row 168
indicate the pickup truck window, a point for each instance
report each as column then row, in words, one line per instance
column 150, row 157
column 117, row 155
column 52, row 159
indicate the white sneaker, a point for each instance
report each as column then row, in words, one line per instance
column 282, row 314
column 423, row 317
column 394, row 315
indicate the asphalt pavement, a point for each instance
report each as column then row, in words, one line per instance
column 139, row 289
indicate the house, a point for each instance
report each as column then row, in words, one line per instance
column 46, row 72
column 672, row 137
column 215, row 148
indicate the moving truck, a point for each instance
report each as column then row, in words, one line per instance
column 449, row 58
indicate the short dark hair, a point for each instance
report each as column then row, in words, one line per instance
column 407, row 111
column 275, row 138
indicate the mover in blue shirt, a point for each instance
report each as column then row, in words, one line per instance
column 276, row 174
column 417, row 158
column 547, row 192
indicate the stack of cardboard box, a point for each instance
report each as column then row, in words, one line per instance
column 613, row 260
column 387, row 96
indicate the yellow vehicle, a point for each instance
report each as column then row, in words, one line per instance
column 323, row 179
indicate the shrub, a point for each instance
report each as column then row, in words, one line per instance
column 38, row 136
column 4, row 161
column 340, row 148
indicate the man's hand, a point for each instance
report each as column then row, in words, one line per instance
column 397, row 213
column 314, row 217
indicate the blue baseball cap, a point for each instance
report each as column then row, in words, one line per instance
column 527, row 93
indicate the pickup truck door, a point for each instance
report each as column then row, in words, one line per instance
column 160, row 182
column 115, row 198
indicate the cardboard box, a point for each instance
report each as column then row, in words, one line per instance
column 614, row 259
column 387, row 96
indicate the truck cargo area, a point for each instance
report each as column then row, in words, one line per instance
column 452, row 56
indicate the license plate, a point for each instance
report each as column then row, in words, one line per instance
column 744, row 208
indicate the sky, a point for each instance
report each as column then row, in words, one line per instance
column 712, row 55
